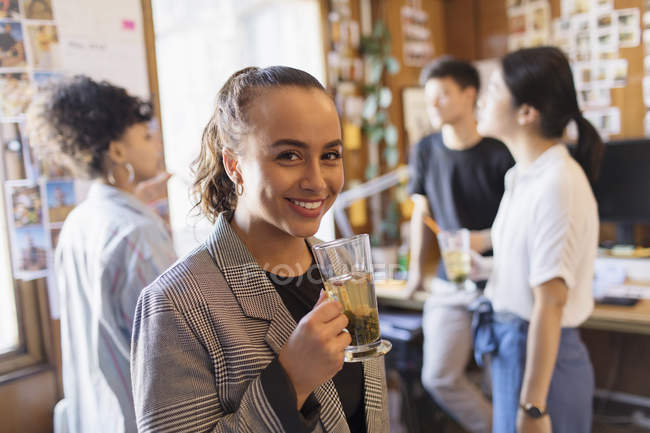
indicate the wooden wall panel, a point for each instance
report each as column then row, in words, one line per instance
column 27, row 404
column 489, row 39
column 409, row 76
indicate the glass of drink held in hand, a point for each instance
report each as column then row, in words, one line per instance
column 454, row 247
column 346, row 268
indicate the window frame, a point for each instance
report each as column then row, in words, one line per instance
column 34, row 351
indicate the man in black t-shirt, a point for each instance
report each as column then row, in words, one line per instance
column 457, row 177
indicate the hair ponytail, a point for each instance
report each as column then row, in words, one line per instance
column 212, row 188
column 542, row 78
column 589, row 149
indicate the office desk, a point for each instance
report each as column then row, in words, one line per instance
column 634, row 319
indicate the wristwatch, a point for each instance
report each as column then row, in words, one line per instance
column 532, row 411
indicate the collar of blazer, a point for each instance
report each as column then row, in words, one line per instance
column 248, row 281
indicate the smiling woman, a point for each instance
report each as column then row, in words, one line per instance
column 241, row 325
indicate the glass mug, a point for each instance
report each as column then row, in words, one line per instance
column 455, row 251
column 346, row 268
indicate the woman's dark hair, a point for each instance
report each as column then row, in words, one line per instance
column 462, row 72
column 74, row 120
column 541, row 77
column 213, row 190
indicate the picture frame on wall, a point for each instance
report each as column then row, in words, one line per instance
column 414, row 110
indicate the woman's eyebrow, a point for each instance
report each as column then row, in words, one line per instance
column 302, row 145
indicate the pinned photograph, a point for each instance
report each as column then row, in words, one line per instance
column 604, row 5
column 629, row 17
column 15, row 158
column 572, row 7
column 605, row 21
column 618, row 70
column 44, row 43
column 16, row 93
column 582, row 46
column 646, row 91
column 581, row 23
column 517, row 24
column 582, row 74
column 561, row 33
column 9, row 9
column 43, row 79
column 540, row 16
column 30, row 248
column 607, row 121
column 12, row 46
column 594, row 97
column 606, row 41
column 38, row 9
column 629, row 38
column 60, row 199
column 629, row 23
column 26, row 205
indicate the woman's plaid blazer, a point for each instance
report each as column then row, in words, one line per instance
column 203, row 333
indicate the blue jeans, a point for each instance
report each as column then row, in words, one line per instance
column 570, row 396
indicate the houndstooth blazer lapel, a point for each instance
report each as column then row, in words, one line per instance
column 259, row 299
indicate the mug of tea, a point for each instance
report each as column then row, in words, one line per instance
column 346, row 268
column 455, row 251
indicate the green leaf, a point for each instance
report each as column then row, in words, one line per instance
column 369, row 107
column 392, row 65
column 376, row 69
column 392, row 156
column 390, row 135
column 371, row 171
column 385, row 97
column 375, row 135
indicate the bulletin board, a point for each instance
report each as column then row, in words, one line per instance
column 42, row 41
column 604, row 39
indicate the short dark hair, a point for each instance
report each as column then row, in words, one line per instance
column 462, row 72
column 74, row 121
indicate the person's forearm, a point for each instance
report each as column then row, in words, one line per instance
column 419, row 239
column 541, row 352
column 481, row 240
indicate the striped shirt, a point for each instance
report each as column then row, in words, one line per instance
column 111, row 247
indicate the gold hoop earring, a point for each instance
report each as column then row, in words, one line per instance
column 239, row 189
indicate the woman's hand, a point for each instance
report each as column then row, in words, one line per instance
column 526, row 424
column 314, row 352
column 481, row 267
column 153, row 189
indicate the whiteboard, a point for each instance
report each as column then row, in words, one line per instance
column 104, row 40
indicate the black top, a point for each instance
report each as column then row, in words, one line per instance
column 463, row 187
column 299, row 295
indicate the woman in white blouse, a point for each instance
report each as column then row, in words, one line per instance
column 545, row 239
column 112, row 244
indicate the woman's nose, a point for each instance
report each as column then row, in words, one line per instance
column 313, row 179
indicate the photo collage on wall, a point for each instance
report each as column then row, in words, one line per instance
column 38, row 197
column 591, row 33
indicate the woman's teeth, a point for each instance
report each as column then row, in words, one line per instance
column 308, row 205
